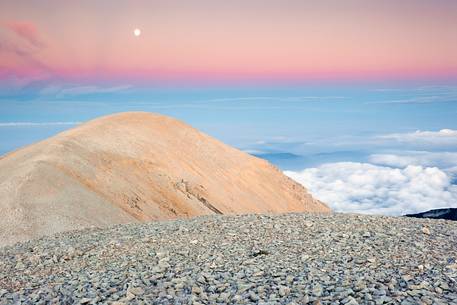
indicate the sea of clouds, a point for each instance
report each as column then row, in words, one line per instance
column 407, row 181
column 373, row 189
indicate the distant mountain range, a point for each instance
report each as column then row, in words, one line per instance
column 290, row 161
column 449, row 214
column 284, row 160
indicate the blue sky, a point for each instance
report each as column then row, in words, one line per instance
column 344, row 128
column 329, row 116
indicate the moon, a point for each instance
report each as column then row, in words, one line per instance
column 137, row 32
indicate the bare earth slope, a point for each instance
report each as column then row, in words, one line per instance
column 133, row 167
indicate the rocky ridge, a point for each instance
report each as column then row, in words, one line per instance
column 250, row 259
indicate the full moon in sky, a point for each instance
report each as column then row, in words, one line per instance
column 136, row 32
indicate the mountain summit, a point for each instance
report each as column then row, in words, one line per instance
column 134, row 167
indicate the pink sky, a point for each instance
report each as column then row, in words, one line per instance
column 229, row 40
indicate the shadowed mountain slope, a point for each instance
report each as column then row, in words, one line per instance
column 449, row 214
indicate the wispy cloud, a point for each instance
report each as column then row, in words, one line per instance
column 441, row 137
column 94, row 89
column 28, row 124
column 242, row 103
column 305, row 144
column 58, row 91
column 420, row 95
column 25, row 53
column 278, row 99
column 22, row 41
column 420, row 100
column 417, row 89
column 28, row 32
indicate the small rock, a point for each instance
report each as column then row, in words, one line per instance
column 413, row 293
column 407, row 277
column 20, row 266
column 317, row 290
column 284, row 291
column 366, row 234
column 452, row 266
column 223, row 297
column 256, row 253
column 130, row 296
column 426, row 230
column 196, row 290
column 35, row 259
column 254, row 297
column 444, row 286
column 351, row 301
column 135, row 291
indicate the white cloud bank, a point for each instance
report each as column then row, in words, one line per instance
column 443, row 160
column 371, row 189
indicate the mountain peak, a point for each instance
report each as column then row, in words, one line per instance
column 133, row 167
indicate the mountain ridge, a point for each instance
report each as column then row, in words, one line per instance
column 135, row 167
column 444, row 213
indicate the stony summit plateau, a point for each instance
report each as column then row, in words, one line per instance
column 252, row 259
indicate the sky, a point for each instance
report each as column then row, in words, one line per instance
column 219, row 41
column 357, row 100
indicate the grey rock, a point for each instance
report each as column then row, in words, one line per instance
column 263, row 259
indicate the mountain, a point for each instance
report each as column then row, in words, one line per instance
column 135, row 167
column 449, row 214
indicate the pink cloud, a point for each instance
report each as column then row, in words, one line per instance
column 27, row 31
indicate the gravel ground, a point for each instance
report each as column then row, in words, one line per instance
column 282, row 259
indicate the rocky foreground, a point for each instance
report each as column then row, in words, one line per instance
column 285, row 259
